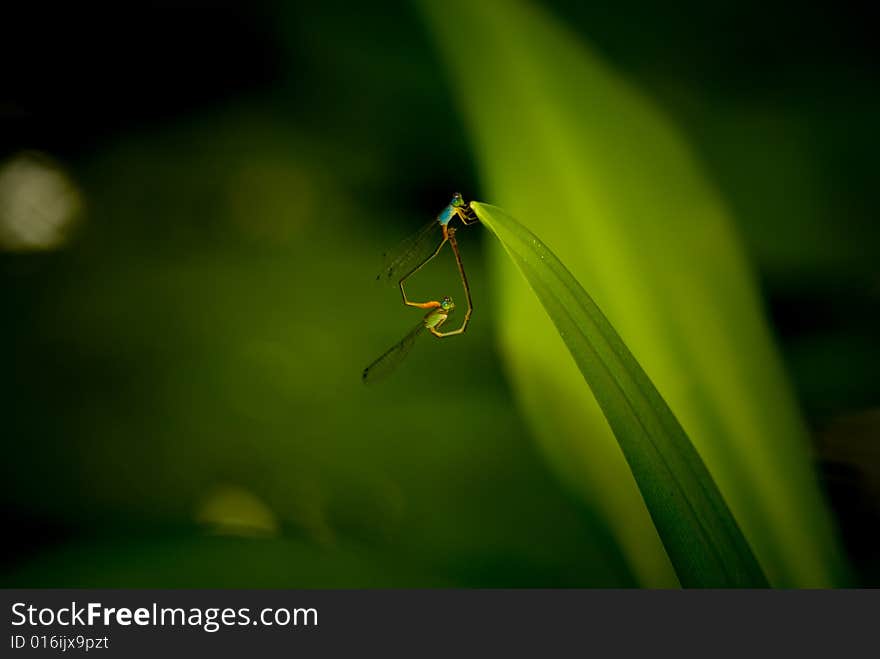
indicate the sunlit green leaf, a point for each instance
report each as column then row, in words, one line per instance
column 580, row 155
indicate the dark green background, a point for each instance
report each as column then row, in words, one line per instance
column 243, row 168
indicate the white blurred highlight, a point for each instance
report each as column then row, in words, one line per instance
column 38, row 204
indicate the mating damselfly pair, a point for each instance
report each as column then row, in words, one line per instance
column 411, row 256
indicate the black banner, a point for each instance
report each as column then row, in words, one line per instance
column 145, row 623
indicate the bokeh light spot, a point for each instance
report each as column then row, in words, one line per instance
column 231, row 510
column 38, row 203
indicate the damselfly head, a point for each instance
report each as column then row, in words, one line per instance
column 457, row 200
column 447, row 304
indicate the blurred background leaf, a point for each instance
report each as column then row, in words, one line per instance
column 612, row 186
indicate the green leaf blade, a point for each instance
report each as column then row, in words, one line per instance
column 702, row 538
